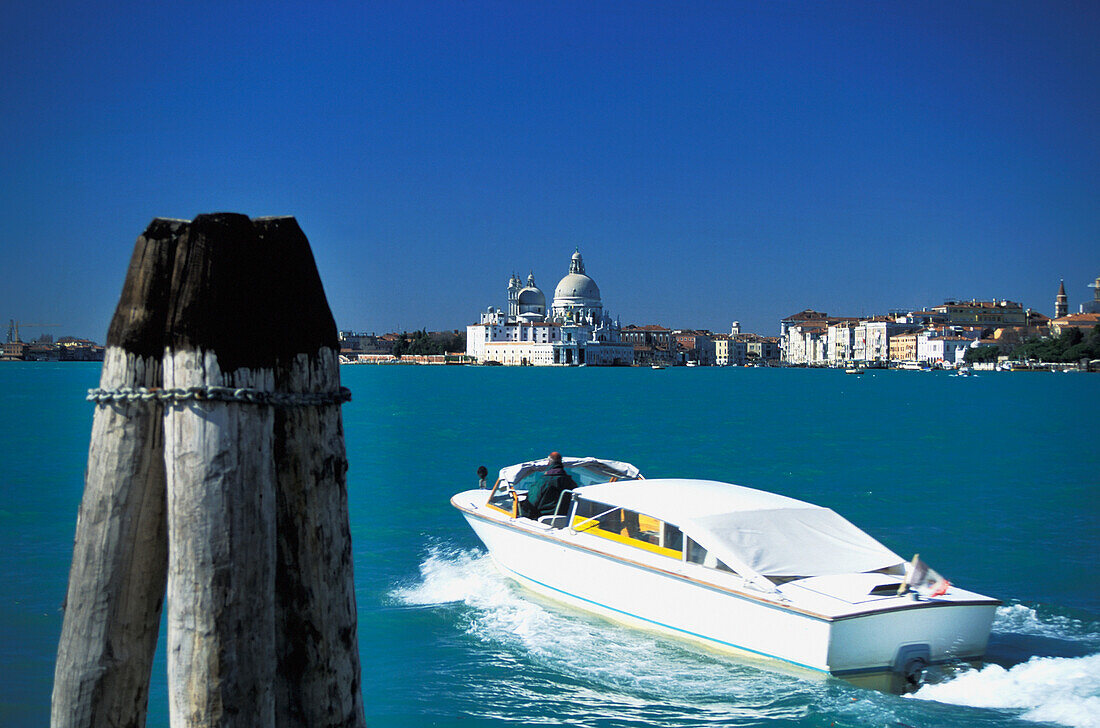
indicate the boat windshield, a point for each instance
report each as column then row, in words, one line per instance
column 585, row 471
column 586, row 474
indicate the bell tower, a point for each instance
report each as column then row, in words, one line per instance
column 1061, row 301
column 514, row 287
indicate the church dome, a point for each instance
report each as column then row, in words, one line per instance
column 531, row 301
column 532, row 297
column 577, row 287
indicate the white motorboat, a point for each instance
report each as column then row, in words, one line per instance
column 760, row 574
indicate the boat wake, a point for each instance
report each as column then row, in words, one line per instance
column 580, row 665
column 1063, row 690
column 1021, row 620
column 1059, row 685
column 576, row 664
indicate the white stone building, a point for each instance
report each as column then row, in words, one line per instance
column 871, row 339
column 933, row 348
column 807, row 343
column 840, row 342
column 576, row 330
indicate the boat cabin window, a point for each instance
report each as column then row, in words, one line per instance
column 696, row 554
column 626, row 526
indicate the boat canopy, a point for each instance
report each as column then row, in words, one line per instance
column 755, row 533
column 584, row 470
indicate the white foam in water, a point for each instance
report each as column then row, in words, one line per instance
column 630, row 663
column 1020, row 619
column 503, row 615
column 599, row 653
column 454, row 575
column 1064, row 690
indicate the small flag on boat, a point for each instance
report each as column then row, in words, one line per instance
column 922, row 579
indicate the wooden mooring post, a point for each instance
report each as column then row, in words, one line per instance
column 245, row 502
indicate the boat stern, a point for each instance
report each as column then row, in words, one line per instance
column 901, row 641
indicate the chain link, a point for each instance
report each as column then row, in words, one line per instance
column 218, row 394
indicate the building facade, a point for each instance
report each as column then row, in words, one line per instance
column 695, row 346
column 989, row 314
column 1092, row 306
column 652, row 344
column 574, row 331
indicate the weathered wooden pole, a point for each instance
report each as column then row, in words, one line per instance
column 317, row 683
column 261, row 607
column 221, row 481
column 218, row 467
column 116, row 583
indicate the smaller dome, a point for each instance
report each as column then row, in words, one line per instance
column 532, row 297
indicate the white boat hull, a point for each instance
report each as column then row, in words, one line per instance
column 671, row 599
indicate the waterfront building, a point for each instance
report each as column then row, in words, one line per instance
column 745, row 350
column 1086, row 322
column 1036, row 320
column 722, row 350
column 72, row 348
column 934, row 348
column 696, row 346
column 575, row 330
column 812, row 338
column 733, row 349
column 739, row 349
column 1092, row 306
column 13, row 351
column 759, row 349
column 806, row 318
column 367, row 343
column 871, row 338
column 903, row 347
column 924, row 318
column 34, row 351
column 653, row 344
column 991, row 314
column 806, row 343
column 840, row 341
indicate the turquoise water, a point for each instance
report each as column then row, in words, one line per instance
column 993, row 479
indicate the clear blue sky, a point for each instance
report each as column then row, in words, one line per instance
column 712, row 160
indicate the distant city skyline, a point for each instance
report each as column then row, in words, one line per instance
column 712, row 162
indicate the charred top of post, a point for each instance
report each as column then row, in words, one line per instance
column 302, row 313
column 248, row 291
column 138, row 323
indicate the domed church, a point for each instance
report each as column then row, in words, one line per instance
column 575, row 331
column 577, row 297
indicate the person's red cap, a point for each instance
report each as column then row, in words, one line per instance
column 555, row 456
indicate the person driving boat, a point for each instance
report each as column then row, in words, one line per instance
column 543, row 496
